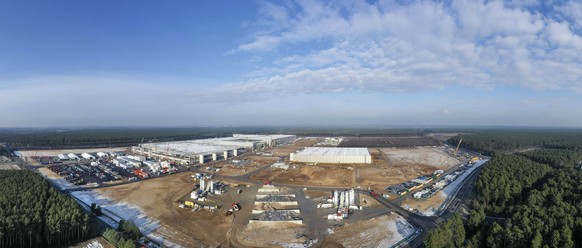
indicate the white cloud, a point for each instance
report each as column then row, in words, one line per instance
column 417, row 46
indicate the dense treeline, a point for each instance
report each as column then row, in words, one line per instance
column 507, row 141
column 450, row 233
column 33, row 214
column 504, row 180
column 116, row 239
column 524, row 203
column 50, row 138
column 556, row 157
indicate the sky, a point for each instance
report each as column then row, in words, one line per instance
column 358, row 63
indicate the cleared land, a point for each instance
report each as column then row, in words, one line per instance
column 383, row 231
column 9, row 166
column 433, row 157
column 427, row 206
column 389, row 166
column 316, row 175
column 404, row 164
column 261, row 234
column 158, row 199
column 299, row 144
column 255, row 162
column 411, row 141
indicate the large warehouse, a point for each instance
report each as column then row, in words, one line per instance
column 332, row 155
column 203, row 150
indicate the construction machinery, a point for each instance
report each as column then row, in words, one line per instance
column 457, row 149
column 235, row 208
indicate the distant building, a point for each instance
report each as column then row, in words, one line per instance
column 63, row 157
column 87, row 156
column 332, row 155
column 72, row 156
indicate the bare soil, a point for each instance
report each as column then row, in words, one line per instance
column 230, row 169
column 319, row 175
column 265, row 234
column 367, row 233
column 299, row 144
column 9, row 166
column 369, row 202
column 158, row 199
column 318, row 194
column 425, row 205
column 389, row 166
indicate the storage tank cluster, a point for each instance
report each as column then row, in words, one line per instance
column 343, row 200
column 205, row 189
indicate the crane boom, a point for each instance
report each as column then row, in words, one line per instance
column 457, row 149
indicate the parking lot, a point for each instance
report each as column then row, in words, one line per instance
column 87, row 174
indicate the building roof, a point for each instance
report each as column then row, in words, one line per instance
column 334, row 151
column 209, row 146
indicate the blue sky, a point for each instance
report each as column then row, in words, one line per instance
column 383, row 63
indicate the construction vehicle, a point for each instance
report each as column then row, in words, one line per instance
column 235, row 208
column 373, row 193
column 267, row 182
column 140, row 173
column 189, row 204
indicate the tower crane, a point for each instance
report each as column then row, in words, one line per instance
column 457, row 149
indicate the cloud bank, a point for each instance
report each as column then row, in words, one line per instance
column 389, row 46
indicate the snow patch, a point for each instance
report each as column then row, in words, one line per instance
column 119, row 211
column 401, row 230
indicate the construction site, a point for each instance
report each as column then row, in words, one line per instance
column 271, row 190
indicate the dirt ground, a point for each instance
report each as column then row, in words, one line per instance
column 158, row 199
column 376, row 232
column 9, row 166
column 319, row 175
column 261, row 234
column 427, row 156
column 427, row 205
column 403, row 164
column 369, row 202
column 299, row 144
column 389, row 166
column 318, row 194
column 48, row 173
column 53, row 153
column 229, row 169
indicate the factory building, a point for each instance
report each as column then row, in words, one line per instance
column 63, row 157
column 332, row 155
column 87, row 156
column 102, row 155
column 205, row 150
column 72, row 156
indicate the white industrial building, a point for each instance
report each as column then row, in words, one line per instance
column 63, row 157
column 204, row 150
column 102, row 154
column 332, row 155
column 87, row 156
column 72, row 156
